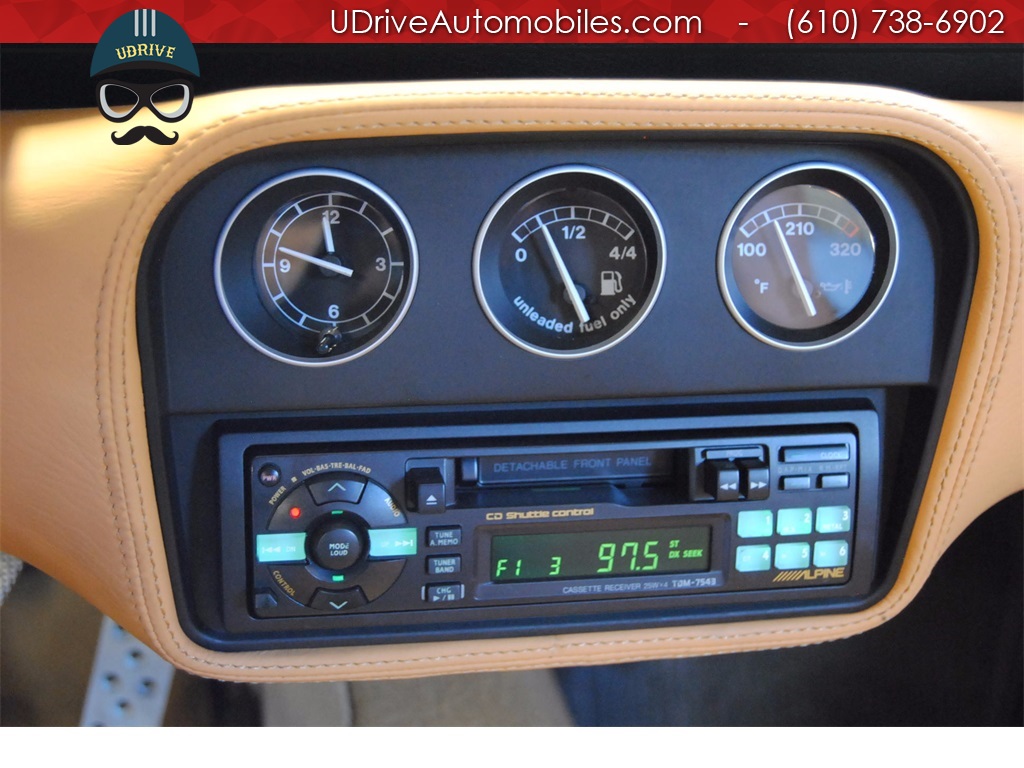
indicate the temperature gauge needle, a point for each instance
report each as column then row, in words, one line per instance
column 344, row 271
column 797, row 277
column 570, row 286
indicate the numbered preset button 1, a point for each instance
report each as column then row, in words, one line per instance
column 755, row 523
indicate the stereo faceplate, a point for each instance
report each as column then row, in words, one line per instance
column 348, row 538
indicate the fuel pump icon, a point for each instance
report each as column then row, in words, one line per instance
column 611, row 283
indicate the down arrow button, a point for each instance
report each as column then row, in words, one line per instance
column 337, row 601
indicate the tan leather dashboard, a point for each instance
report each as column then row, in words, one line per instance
column 78, row 497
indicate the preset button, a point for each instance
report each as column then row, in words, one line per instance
column 791, row 556
column 757, row 557
column 834, row 519
column 795, row 521
column 755, row 523
column 831, row 554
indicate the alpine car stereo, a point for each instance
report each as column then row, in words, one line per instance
column 363, row 536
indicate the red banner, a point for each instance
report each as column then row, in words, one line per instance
column 531, row 21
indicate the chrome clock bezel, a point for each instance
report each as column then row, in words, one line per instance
column 393, row 211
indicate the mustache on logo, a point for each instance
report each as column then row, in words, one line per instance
column 140, row 132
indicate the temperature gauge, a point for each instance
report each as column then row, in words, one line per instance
column 807, row 256
column 569, row 261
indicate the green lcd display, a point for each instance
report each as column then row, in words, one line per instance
column 600, row 554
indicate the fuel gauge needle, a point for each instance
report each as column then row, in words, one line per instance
column 797, row 277
column 570, row 286
column 344, row 271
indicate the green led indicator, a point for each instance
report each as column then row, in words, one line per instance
column 337, row 511
column 337, row 577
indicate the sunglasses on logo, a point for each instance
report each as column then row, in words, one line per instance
column 119, row 101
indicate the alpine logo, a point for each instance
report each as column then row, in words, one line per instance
column 809, row 575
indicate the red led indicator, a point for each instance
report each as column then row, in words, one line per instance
column 295, row 512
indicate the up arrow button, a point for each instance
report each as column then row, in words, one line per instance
column 337, row 488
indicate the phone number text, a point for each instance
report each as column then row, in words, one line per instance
column 887, row 23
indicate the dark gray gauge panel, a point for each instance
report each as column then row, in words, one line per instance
column 569, row 261
column 807, row 256
column 316, row 267
column 447, row 351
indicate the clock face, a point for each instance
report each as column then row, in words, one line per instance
column 316, row 267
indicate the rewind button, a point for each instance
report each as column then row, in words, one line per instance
column 722, row 480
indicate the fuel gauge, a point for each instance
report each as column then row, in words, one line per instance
column 569, row 261
column 807, row 256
